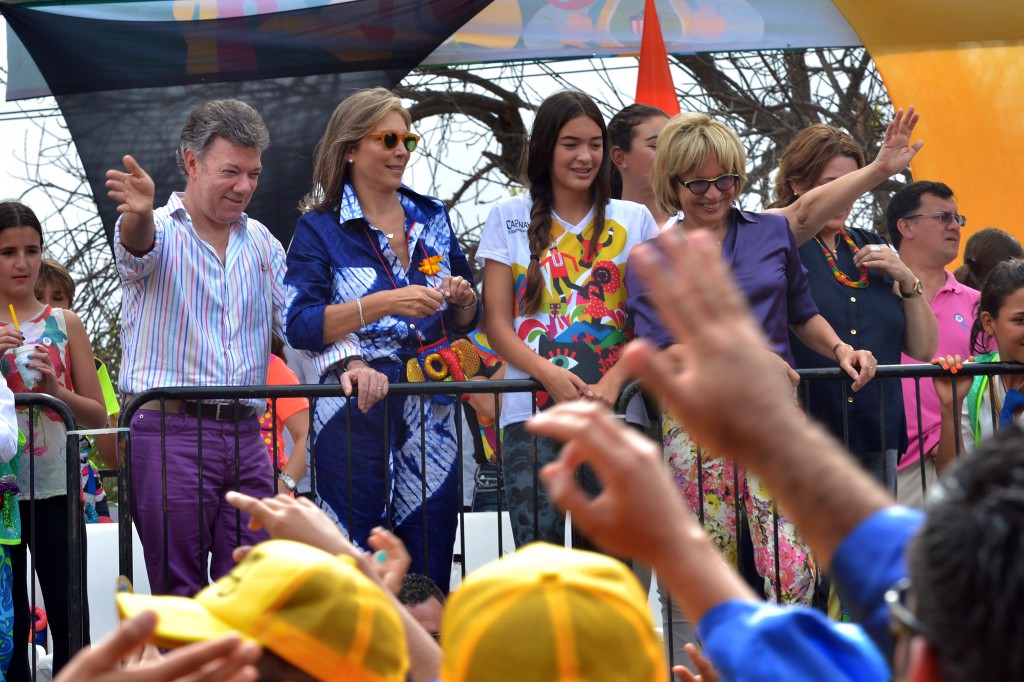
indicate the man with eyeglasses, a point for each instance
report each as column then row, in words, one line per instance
column 924, row 226
column 954, row 616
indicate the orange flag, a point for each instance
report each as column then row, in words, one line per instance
column 654, row 81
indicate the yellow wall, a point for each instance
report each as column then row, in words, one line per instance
column 961, row 64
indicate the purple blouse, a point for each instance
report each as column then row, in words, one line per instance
column 765, row 263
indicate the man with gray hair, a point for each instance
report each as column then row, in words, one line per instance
column 202, row 293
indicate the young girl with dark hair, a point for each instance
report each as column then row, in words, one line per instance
column 64, row 369
column 554, row 263
column 985, row 403
column 984, row 250
column 634, row 137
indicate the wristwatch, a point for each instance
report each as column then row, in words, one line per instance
column 915, row 290
column 288, row 481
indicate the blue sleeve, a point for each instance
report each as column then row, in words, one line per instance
column 461, row 268
column 749, row 640
column 309, row 288
column 801, row 305
column 639, row 307
column 309, row 278
column 869, row 561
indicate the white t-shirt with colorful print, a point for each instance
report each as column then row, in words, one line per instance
column 581, row 324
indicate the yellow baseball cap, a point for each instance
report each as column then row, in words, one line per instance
column 547, row 613
column 314, row 610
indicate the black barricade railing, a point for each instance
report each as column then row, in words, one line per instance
column 886, row 373
column 209, row 395
column 889, row 373
column 77, row 597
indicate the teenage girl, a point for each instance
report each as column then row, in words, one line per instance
column 63, row 357
column 973, row 416
column 553, row 275
column 634, row 137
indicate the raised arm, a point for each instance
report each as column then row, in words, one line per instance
column 725, row 364
column 133, row 190
column 796, row 643
column 808, row 214
column 635, row 489
column 285, row 518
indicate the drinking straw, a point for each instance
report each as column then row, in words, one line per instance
column 14, row 316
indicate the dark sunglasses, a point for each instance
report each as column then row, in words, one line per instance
column 944, row 217
column 389, row 138
column 700, row 186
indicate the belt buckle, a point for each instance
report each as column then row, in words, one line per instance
column 217, row 415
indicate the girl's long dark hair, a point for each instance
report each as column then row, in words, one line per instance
column 620, row 132
column 553, row 114
column 1001, row 283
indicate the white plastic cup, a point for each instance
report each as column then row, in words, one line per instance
column 30, row 375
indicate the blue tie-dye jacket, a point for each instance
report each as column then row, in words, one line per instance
column 338, row 257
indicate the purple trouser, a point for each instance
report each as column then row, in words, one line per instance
column 195, row 533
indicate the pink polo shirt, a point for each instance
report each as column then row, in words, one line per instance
column 954, row 307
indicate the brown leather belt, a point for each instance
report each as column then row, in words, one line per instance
column 221, row 412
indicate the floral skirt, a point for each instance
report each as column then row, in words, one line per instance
column 720, row 496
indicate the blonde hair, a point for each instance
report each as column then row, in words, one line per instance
column 684, row 146
column 353, row 119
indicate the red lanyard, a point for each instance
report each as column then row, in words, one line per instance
column 380, row 256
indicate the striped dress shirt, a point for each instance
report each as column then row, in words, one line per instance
column 190, row 320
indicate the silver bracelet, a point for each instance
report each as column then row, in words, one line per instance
column 362, row 320
column 469, row 305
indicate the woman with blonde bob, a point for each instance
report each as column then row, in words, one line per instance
column 699, row 172
column 377, row 286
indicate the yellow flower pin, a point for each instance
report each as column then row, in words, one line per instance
column 431, row 265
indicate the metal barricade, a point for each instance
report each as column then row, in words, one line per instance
column 424, row 390
column 916, row 373
column 212, row 394
column 77, row 606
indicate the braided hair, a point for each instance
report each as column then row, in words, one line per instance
column 554, row 112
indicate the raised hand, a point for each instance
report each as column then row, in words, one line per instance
column 896, row 150
column 296, row 519
column 132, row 188
column 706, row 672
column 635, row 487
column 390, row 559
